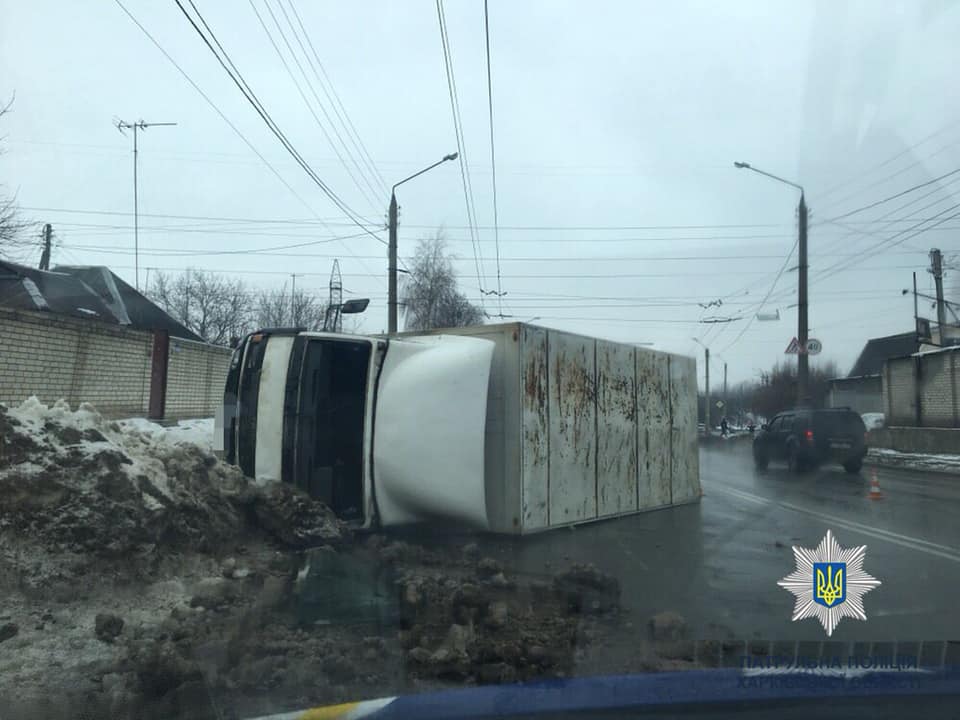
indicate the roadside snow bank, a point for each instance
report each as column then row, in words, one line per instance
column 76, row 481
column 914, row 461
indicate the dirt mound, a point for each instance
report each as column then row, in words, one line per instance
column 77, row 482
column 161, row 582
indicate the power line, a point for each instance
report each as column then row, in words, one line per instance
column 251, row 98
column 535, row 259
column 316, row 97
column 233, row 127
column 335, row 102
column 884, row 219
column 461, row 144
column 888, row 161
column 898, row 173
column 253, row 251
column 895, row 195
column 786, row 261
column 878, row 247
column 493, row 155
column 330, row 221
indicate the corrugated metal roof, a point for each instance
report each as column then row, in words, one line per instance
column 879, row 350
column 89, row 292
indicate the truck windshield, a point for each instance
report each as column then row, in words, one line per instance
column 330, row 423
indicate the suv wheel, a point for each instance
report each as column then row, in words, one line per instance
column 853, row 466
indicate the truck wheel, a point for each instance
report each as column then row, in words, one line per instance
column 853, row 466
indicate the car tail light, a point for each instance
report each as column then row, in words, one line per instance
column 808, row 434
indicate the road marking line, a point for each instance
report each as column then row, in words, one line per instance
column 926, row 546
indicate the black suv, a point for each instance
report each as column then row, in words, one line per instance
column 808, row 438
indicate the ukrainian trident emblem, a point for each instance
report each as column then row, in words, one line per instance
column 829, row 583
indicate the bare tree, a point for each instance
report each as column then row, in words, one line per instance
column 215, row 307
column 778, row 388
column 283, row 308
column 430, row 296
column 12, row 226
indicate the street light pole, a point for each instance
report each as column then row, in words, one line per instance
column 803, row 359
column 392, row 245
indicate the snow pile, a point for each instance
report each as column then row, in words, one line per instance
column 915, row 461
column 73, row 480
column 874, row 421
column 198, row 431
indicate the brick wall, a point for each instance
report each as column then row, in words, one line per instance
column 936, row 389
column 196, row 374
column 939, row 395
column 898, row 392
column 54, row 357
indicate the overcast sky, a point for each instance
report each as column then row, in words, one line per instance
column 616, row 127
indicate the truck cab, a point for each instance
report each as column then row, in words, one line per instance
column 316, row 410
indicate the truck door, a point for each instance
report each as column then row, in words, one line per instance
column 431, row 411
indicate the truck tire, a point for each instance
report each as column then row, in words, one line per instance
column 853, row 466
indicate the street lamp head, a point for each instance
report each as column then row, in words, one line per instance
column 357, row 305
column 451, row 156
column 742, row 165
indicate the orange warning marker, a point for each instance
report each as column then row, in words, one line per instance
column 875, row 493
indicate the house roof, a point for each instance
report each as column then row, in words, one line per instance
column 128, row 305
column 91, row 292
column 26, row 288
column 878, row 350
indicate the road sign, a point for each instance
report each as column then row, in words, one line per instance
column 814, row 346
column 793, row 348
column 719, row 403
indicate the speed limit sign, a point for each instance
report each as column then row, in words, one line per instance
column 814, row 346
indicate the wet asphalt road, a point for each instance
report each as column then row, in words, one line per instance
column 718, row 562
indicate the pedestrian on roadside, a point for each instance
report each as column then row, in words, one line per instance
column 723, row 427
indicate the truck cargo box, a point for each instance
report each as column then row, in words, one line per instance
column 580, row 429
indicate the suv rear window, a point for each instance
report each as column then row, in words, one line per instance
column 836, row 422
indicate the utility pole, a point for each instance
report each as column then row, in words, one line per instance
column 332, row 316
column 392, row 267
column 916, row 310
column 138, row 125
column 706, row 409
column 803, row 359
column 293, row 299
column 726, row 409
column 936, row 269
column 45, row 256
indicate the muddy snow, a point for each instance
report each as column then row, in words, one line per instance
column 142, row 577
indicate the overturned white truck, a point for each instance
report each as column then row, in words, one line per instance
column 508, row 428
